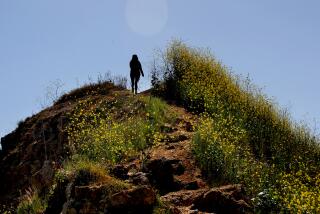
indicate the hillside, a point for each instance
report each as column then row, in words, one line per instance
column 200, row 141
column 39, row 164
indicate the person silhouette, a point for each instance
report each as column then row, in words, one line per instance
column 135, row 70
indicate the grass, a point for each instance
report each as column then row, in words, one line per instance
column 31, row 203
column 243, row 136
column 107, row 126
column 104, row 132
column 102, row 88
column 104, row 85
column 85, row 172
column 110, row 131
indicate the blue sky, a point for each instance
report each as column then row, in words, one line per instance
column 275, row 42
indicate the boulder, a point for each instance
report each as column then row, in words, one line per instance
column 182, row 197
column 139, row 178
column 226, row 199
column 57, row 198
column 161, row 173
column 42, row 178
column 94, row 193
column 120, row 171
column 136, row 200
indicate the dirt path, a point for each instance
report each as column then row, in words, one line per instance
column 175, row 171
column 177, row 147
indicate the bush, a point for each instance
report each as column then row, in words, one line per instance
column 244, row 136
column 86, row 172
column 298, row 192
column 31, row 203
column 98, row 132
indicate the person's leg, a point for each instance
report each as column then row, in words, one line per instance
column 136, row 86
column 136, row 83
column 132, row 83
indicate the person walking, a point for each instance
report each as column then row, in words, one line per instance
column 135, row 70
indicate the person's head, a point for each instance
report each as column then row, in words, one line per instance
column 134, row 57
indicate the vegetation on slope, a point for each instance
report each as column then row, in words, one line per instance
column 117, row 129
column 106, row 126
column 243, row 136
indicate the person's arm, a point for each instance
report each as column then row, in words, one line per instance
column 141, row 69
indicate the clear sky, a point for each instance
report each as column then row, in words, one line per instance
column 275, row 42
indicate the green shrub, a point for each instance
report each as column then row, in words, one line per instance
column 113, row 131
column 297, row 191
column 31, row 203
column 86, row 172
column 244, row 136
column 226, row 158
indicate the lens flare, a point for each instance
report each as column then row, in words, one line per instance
column 147, row 17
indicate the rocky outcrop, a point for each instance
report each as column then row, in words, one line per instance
column 139, row 178
column 95, row 199
column 225, row 199
column 161, row 174
column 31, row 153
column 137, row 200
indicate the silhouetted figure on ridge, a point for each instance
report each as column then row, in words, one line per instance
column 135, row 71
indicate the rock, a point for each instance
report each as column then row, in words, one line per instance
column 94, row 193
column 222, row 200
column 67, row 208
column 135, row 200
column 57, row 198
column 87, row 207
column 44, row 176
column 139, row 178
column 193, row 185
column 29, row 153
column 174, row 210
column 167, row 128
column 161, row 173
column 225, row 199
column 71, row 211
column 170, row 147
column 175, row 138
column 182, row 197
column 185, row 124
column 68, row 194
column 188, row 126
column 177, row 166
column 86, row 199
column 120, row 171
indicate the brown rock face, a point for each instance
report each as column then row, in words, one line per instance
column 162, row 173
column 225, row 199
column 31, row 153
column 183, row 198
column 136, row 200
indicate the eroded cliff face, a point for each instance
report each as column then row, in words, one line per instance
column 31, row 154
column 38, row 144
